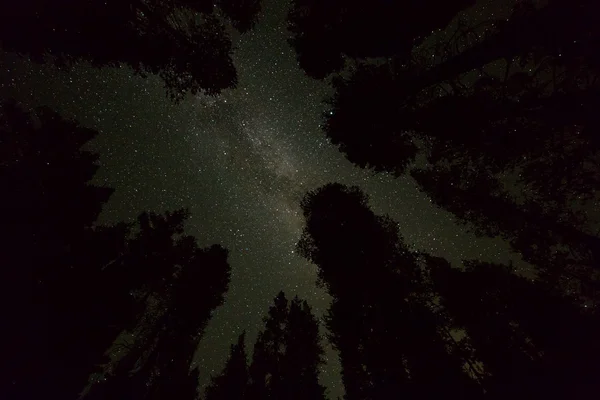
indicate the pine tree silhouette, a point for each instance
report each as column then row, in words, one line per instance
column 303, row 355
column 285, row 362
column 78, row 285
column 269, row 350
column 65, row 310
column 389, row 339
column 178, row 309
column 532, row 122
column 184, row 42
column 232, row 382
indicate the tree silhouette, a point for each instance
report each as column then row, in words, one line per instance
column 381, row 320
column 76, row 285
column 463, row 107
column 531, row 338
column 513, row 103
column 554, row 241
column 323, row 33
column 556, row 34
column 466, row 110
column 285, row 362
column 363, row 103
column 303, row 355
column 158, row 362
column 481, row 127
column 269, row 350
column 184, row 42
column 243, row 14
column 65, row 309
column 198, row 289
column 231, row 383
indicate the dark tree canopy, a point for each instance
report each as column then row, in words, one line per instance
column 303, row 355
column 550, row 65
column 243, row 14
column 548, row 90
column 497, row 124
column 324, row 32
column 157, row 363
column 380, row 319
column 506, row 119
column 184, row 42
column 52, row 253
column 364, row 121
column 232, row 382
column 75, row 286
column 553, row 239
column 285, row 362
column 531, row 339
column 287, row 354
column 408, row 324
column 42, row 161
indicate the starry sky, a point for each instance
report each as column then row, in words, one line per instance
column 240, row 162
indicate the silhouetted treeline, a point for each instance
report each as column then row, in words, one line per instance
column 504, row 113
column 157, row 362
column 379, row 319
column 324, row 32
column 533, row 340
column 408, row 324
column 184, row 42
column 54, row 295
column 503, row 110
column 70, row 287
column 285, row 363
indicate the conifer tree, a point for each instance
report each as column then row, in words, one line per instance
column 231, row 383
column 81, row 284
column 183, row 42
column 61, row 309
column 158, row 363
column 391, row 342
column 503, row 111
column 286, row 359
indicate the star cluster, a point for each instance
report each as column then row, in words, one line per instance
column 240, row 162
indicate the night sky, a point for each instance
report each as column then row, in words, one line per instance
column 240, row 162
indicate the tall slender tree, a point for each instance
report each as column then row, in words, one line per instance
column 390, row 341
column 184, row 42
column 61, row 309
column 285, row 362
column 198, row 288
column 77, row 285
column 232, row 382
column 269, row 350
column 303, row 355
column 158, row 362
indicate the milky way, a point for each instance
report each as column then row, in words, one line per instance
column 241, row 163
